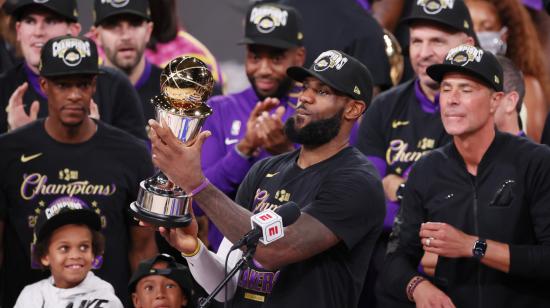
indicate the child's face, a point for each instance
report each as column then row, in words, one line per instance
column 158, row 291
column 69, row 255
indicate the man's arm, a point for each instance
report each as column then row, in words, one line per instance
column 142, row 245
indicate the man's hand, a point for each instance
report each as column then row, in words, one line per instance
column 17, row 116
column 446, row 240
column 426, row 295
column 251, row 141
column 181, row 163
column 270, row 129
column 391, row 183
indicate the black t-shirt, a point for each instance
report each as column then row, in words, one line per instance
column 342, row 192
column 147, row 87
column 102, row 173
column 7, row 58
column 116, row 98
column 344, row 25
column 398, row 130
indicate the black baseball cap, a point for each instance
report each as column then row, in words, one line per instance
column 174, row 270
column 472, row 61
column 64, row 8
column 449, row 13
column 64, row 211
column 104, row 9
column 341, row 72
column 68, row 55
column 274, row 25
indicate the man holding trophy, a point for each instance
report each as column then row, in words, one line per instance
column 322, row 260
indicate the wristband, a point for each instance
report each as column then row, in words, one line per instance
column 194, row 253
column 241, row 154
column 200, row 188
column 412, row 286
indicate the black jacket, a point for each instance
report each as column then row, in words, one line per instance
column 508, row 201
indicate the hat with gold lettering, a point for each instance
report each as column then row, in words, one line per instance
column 104, row 9
column 68, row 55
column 472, row 61
column 341, row 72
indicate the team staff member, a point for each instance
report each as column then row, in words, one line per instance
column 68, row 158
column 323, row 258
column 243, row 131
column 22, row 100
column 479, row 202
column 123, row 31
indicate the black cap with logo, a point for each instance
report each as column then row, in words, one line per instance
column 472, row 61
column 104, row 9
column 68, row 55
column 449, row 13
column 64, row 8
column 175, row 271
column 273, row 25
column 341, row 72
column 65, row 211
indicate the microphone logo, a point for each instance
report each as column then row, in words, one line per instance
column 271, row 225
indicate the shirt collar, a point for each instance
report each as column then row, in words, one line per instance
column 426, row 104
column 144, row 76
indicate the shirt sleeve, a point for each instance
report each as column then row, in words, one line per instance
column 28, row 299
column 404, row 248
column 532, row 260
column 350, row 203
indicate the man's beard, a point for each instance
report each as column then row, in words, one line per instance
column 127, row 66
column 281, row 91
column 316, row 133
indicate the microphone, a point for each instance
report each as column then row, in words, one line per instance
column 267, row 226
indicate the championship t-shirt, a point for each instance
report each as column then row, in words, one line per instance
column 343, row 193
column 38, row 172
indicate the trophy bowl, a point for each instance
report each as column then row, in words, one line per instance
column 185, row 84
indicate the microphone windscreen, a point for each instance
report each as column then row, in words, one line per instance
column 289, row 212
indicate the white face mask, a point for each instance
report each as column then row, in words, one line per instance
column 492, row 41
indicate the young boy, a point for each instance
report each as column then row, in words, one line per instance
column 161, row 281
column 67, row 240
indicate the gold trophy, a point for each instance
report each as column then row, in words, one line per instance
column 185, row 83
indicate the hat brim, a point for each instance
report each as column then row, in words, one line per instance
column 412, row 19
column 438, row 71
column 18, row 11
column 299, row 74
column 69, row 73
column 122, row 12
column 271, row 42
column 82, row 216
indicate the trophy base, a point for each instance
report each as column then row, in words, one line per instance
column 161, row 207
column 159, row 220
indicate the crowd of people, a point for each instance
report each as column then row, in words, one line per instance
column 428, row 191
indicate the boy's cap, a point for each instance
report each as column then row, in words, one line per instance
column 68, row 55
column 175, row 271
column 64, row 211
column 449, row 13
column 104, row 9
column 472, row 61
column 65, row 8
column 340, row 71
column 273, row 25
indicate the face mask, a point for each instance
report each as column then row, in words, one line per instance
column 492, row 41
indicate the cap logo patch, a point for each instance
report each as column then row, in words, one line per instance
column 356, row 90
column 63, row 203
column 116, row 3
column 329, row 59
column 433, row 7
column 497, row 80
column 267, row 18
column 464, row 54
column 71, row 51
column 40, row 1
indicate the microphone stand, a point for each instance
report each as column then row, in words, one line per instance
column 247, row 257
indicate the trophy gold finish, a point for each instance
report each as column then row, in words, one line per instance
column 185, row 83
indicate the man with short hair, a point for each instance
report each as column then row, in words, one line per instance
column 507, row 114
column 69, row 158
column 244, row 130
column 123, row 31
column 21, row 98
column 323, row 257
column 479, row 202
